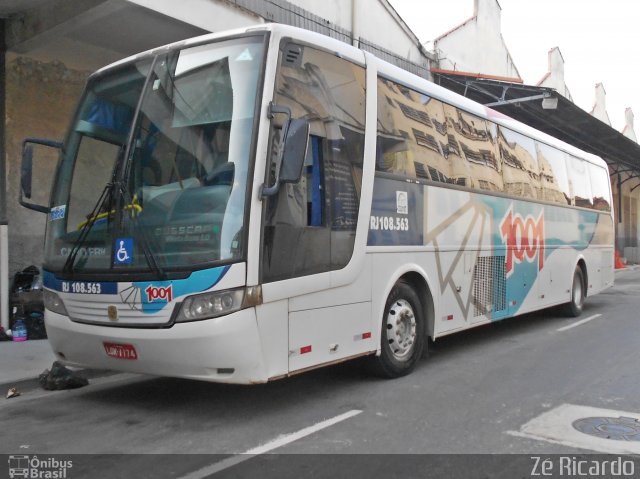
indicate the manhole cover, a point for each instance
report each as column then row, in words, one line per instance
column 616, row 428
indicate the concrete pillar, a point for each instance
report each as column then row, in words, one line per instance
column 4, row 275
column 4, row 228
column 355, row 24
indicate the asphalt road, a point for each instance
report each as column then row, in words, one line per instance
column 476, row 394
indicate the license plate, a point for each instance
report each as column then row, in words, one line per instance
column 120, row 351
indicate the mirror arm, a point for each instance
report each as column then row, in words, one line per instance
column 43, row 142
column 267, row 191
column 34, row 207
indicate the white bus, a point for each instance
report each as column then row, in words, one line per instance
column 245, row 206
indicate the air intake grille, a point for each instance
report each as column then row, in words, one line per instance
column 292, row 55
column 489, row 285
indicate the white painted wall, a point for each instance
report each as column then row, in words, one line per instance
column 555, row 75
column 335, row 11
column 477, row 46
column 629, row 130
column 600, row 106
column 378, row 22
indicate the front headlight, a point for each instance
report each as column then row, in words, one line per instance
column 54, row 303
column 210, row 305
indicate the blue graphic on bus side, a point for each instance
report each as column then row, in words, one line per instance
column 156, row 295
column 529, row 234
column 397, row 212
column 523, row 237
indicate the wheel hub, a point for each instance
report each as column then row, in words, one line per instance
column 401, row 329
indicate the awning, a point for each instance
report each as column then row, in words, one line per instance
column 536, row 106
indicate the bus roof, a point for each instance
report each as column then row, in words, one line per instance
column 385, row 69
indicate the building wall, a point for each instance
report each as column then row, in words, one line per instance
column 477, row 45
column 600, row 106
column 41, row 99
column 555, row 76
column 627, row 230
column 629, row 128
column 211, row 15
column 372, row 20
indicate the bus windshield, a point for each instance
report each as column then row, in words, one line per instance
column 156, row 163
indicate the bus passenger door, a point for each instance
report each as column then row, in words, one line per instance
column 309, row 227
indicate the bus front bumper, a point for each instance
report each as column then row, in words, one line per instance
column 225, row 349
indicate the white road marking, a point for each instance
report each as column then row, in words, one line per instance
column 578, row 323
column 270, row 446
column 556, row 427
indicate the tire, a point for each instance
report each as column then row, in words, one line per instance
column 402, row 336
column 578, row 292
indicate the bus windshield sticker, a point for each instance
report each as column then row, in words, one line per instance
column 58, row 212
column 123, row 251
column 402, row 202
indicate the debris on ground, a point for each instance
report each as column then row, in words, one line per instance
column 61, row 377
column 12, row 393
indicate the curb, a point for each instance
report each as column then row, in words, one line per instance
column 629, row 267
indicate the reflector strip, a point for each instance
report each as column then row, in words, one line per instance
column 366, row 335
column 305, row 349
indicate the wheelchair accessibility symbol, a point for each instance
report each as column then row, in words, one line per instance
column 123, row 251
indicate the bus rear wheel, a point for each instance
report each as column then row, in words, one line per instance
column 574, row 307
column 402, row 335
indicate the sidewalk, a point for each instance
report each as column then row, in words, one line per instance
column 24, row 360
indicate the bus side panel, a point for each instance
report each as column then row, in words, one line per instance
column 332, row 324
column 491, row 257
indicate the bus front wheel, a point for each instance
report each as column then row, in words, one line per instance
column 403, row 333
column 574, row 307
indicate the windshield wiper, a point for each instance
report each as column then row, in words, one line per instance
column 86, row 227
column 146, row 248
column 124, row 174
column 108, row 193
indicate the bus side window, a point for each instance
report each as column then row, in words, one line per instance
column 520, row 170
column 600, row 187
column 553, row 174
column 580, row 182
column 412, row 134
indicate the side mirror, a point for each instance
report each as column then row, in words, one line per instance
column 295, row 151
column 292, row 151
column 26, row 171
